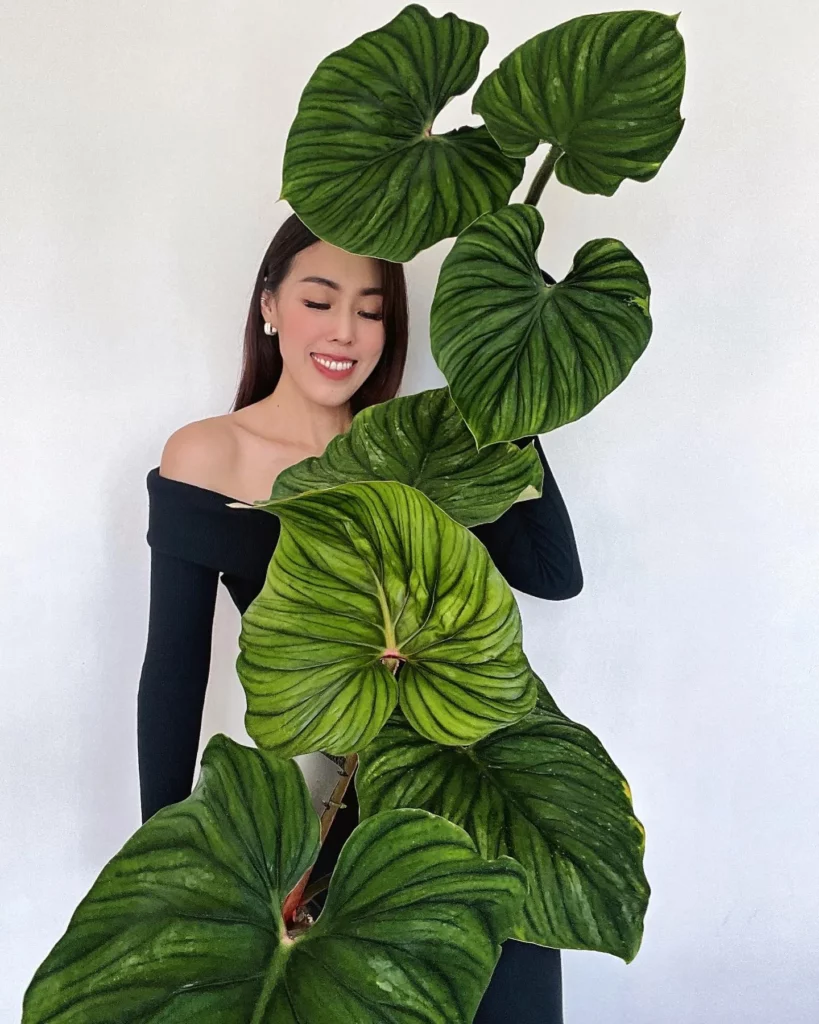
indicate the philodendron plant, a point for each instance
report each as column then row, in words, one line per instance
column 384, row 634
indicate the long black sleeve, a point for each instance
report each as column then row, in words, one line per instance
column 174, row 678
column 532, row 543
column 196, row 539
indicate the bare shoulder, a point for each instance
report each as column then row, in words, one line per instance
column 201, row 453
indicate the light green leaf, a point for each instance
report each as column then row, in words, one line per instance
column 604, row 88
column 184, row 924
column 367, row 576
column 421, row 440
column 523, row 356
column 545, row 792
column 362, row 168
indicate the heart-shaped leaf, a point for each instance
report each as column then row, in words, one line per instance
column 545, row 792
column 362, row 168
column 410, row 931
column 421, row 440
column 523, row 356
column 367, row 578
column 184, row 924
column 604, row 88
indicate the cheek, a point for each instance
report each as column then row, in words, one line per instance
column 302, row 323
column 375, row 341
column 299, row 330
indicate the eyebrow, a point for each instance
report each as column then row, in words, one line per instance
column 337, row 286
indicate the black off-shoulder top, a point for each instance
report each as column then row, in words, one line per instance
column 196, row 540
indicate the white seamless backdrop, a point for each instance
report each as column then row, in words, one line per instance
column 141, row 159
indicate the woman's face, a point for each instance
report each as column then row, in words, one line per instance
column 328, row 312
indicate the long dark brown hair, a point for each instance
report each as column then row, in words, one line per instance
column 262, row 359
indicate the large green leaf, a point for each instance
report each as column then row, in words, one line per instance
column 604, row 88
column 522, row 355
column 184, row 924
column 421, row 440
column 411, row 929
column 362, row 168
column 367, row 577
column 545, row 792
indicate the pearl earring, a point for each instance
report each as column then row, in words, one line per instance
column 269, row 328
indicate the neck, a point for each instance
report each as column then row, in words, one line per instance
column 290, row 415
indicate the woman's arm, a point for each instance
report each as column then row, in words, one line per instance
column 174, row 678
column 532, row 543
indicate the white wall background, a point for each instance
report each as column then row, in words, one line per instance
column 141, row 157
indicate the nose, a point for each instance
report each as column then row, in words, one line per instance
column 345, row 326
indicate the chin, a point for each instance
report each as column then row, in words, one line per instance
column 331, row 396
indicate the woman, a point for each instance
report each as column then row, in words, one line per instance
column 326, row 336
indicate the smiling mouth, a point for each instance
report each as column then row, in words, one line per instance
column 333, row 365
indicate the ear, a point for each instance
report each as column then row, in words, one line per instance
column 268, row 306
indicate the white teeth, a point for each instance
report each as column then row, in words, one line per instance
column 333, row 364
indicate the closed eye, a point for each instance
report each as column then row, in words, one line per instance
column 326, row 305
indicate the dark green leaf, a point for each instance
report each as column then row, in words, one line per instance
column 184, row 924
column 604, row 88
column 421, row 440
column 362, row 168
column 523, row 356
column 545, row 792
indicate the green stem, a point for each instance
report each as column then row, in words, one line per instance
column 275, row 970
column 542, row 176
